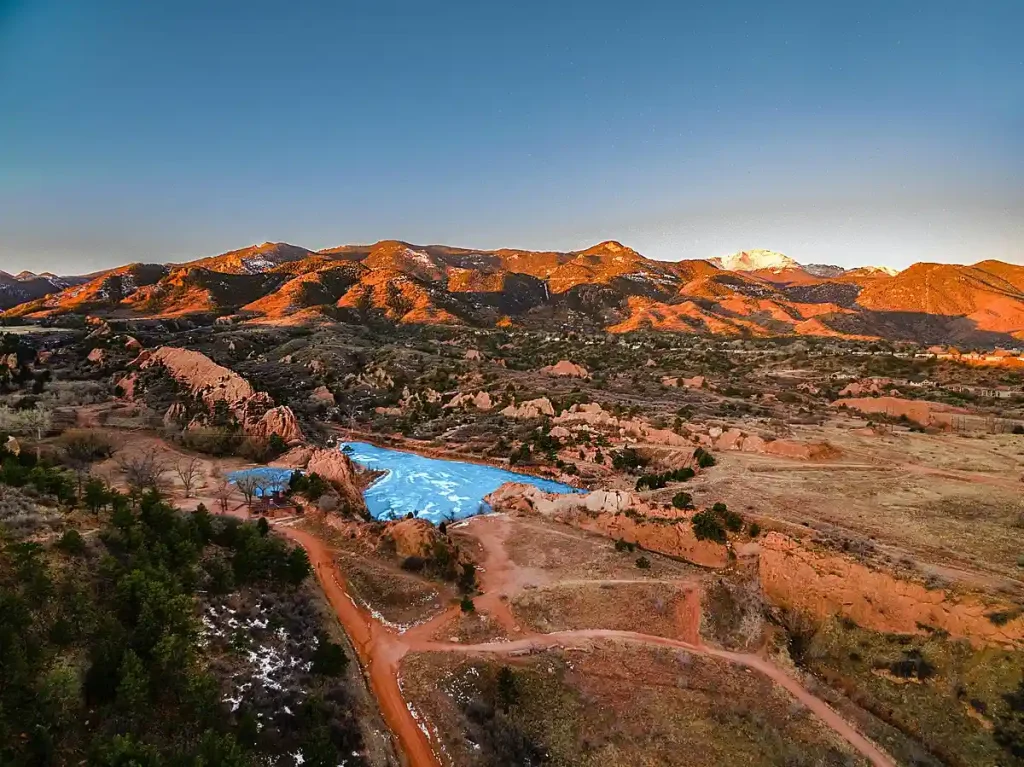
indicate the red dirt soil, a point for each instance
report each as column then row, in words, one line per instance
column 380, row 650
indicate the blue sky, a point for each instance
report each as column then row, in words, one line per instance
column 849, row 133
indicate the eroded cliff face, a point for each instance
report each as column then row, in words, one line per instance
column 820, row 584
column 213, row 383
column 666, row 532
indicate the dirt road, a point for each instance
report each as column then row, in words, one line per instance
column 381, row 649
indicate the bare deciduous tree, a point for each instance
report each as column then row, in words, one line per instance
column 81, row 448
column 223, row 494
column 188, row 472
column 36, row 422
column 142, row 471
column 250, row 486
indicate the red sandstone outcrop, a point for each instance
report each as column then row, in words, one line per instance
column 593, row 414
column 132, row 344
column 565, row 368
column 533, row 408
column 481, row 401
column 697, row 382
column 296, row 458
column 921, row 412
column 322, row 394
column 604, row 512
column 213, row 383
column 821, row 584
column 127, row 385
column 97, row 356
column 735, row 439
column 204, row 377
column 868, row 386
column 335, row 467
column 674, row 540
column 474, row 355
column 414, row 537
column 278, row 420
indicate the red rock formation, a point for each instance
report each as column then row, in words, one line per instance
column 566, row 368
column 921, row 412
column 414, row 537
column 323, row 394
column 204, row 377
column 604, row 512
column 533, row 408
column 213, row 383
column 279, row 420
column 335, row 467
column 822, row 584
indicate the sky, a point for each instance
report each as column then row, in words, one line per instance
column 847, row 133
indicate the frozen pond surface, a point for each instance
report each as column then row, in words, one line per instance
column 269, row 477
column 433, row 488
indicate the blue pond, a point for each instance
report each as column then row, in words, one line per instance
column 270, row 478
column 433, row 488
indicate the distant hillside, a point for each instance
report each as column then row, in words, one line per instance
column 26, row 286
column 607, row 286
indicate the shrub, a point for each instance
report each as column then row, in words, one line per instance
column 707, row 528
column 912, row 664
column 467, row 578
column 704, row 458
column 628, row 459
column 508, row 692
column 755, row 529
column 1009, row 729
column 467, row 605
column 413, row 564
column 682, row 500
column 329, row 658
column 72, row 542
column 643, row 563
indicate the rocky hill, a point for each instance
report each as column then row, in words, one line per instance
column 607, row 286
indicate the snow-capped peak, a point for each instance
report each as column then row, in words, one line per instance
column 754, row 260
column 882, row 269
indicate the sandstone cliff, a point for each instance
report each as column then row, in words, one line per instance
column 821, row 584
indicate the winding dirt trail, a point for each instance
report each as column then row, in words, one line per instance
column 381, row 649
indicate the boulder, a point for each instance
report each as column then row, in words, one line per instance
column 322, row 394
column 533, row 408
column 474, row 355
column 97, row 356
column 565, row 368
column 481, row 401
column 132, row 344
column 414, row 537
column 559, row 432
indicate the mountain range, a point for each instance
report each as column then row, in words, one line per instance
column 608, row 286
